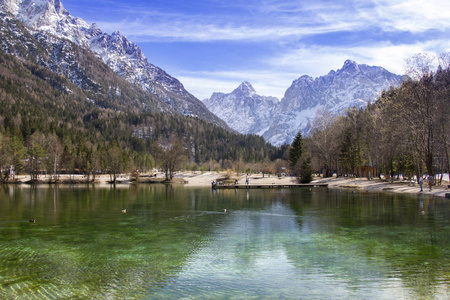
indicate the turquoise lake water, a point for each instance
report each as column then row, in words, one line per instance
column 176, row 242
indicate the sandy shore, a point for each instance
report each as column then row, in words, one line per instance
column 377, row 185
column 205, row 179
column 362, row 184
column 198, row 179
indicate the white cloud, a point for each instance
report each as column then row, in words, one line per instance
column 267, row 83
column 413, row 15
column 209, row 32
column 279, row 72
column 284, row 19
column 315, row 61
column 286, row 24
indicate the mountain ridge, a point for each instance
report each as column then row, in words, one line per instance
column 103, row 87
column 243, row 109
column 253, row 111
column 353, row 85
column 115, row 50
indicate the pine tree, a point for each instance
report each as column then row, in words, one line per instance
column 305, row 175
column 296, row 150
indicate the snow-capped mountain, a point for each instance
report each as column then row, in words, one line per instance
column 115, row 50
column 353, row 85
column 243, row 109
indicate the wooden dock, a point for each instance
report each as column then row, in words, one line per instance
column 268, row 186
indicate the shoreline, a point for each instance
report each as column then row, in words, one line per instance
column 360, row 184
column 378, row 185
column 198, row 179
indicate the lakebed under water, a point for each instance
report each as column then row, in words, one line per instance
column 178, row 242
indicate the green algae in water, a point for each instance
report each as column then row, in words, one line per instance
column 177, row 242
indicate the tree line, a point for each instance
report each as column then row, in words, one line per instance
column 47, row 153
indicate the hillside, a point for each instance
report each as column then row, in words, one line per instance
column 54, row 27
column 34, row 99
column 102, row 86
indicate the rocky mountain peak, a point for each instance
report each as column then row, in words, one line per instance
column 278, row 122
column 245, row 89
column 94, row 30
column 36, row 13
column 305, row 79
column 117, row 34
column 243, row 109
column 10, row 6
column 349, row 64
column 349, row 67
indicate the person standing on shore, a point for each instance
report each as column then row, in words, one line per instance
column 430, row 181
column 421, row 183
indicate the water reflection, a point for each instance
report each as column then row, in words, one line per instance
column 363, row 245
column 175, row 242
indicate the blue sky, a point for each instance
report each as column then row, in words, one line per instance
column 214, row 45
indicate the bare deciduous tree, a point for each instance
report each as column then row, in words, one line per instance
column 36, row 154
column 55, row 151
column 325, row 142
column 171, row 156
column 114, row 162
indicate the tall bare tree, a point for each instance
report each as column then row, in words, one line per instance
column 55, row 151
column 16, row 151
column 36, row 154
column 324, row 141
column 114, row 162
column 421, row 114
column 171, row 157
column 4, row 157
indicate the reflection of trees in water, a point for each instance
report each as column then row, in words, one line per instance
column 83, row 245
column 86, row 247
column 359, row 236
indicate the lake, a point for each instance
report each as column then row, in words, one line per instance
column 177, row 242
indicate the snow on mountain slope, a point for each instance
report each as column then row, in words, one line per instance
column 120, row 54
column 278, row 122
column 243, row 109
column 353, row 85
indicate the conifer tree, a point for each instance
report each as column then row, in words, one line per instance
column 300, row 161
column 4, row 157
column 305, row 172
column 296, row 150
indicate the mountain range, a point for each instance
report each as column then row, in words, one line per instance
column 354, row 85
column 52, row 26
column 115, row 74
